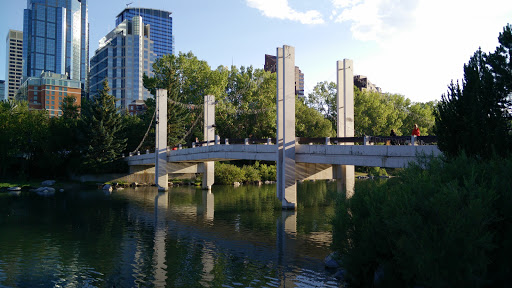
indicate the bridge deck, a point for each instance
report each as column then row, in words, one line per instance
column 358, row 155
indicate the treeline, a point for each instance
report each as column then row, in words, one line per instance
column 92, row 138
column 444, row 222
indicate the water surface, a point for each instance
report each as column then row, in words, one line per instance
column 230, row 237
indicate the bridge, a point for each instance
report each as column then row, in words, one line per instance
column 296, row 158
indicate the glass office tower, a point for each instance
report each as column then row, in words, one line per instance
column 123, row 57
column 56, row 39
column 161, row 27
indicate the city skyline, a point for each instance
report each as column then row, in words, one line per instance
column 401, row 47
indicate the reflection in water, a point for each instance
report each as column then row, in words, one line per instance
column 185, row 238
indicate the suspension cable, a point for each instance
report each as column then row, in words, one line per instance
column 145, row 135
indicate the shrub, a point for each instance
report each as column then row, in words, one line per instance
column 439, row 224
column 267, row 172
column 227, row 174
column 251, row 174
column 377, row 171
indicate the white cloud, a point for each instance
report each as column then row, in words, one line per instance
column 375, row 19
column 281, row 10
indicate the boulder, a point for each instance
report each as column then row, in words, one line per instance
column 331, row 262
column 45, row 191
column 48, row 183
column 236, row 184
column 107, row 187
column 14, row 189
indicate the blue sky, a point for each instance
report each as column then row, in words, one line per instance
column 414, row 48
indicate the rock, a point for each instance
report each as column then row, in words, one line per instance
column 14, row 189
column 120, row 188
column 331, row 262
column 134, row 184
column 268, row 182
column 107, row 187
column 61, row 190
column 340, row 274
column 45, row 191
column 236, row 184
column 48, row 183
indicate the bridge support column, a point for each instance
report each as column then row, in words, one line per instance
column 209, row 135
column 286, row 180
column 345, row 121
column 161, row 176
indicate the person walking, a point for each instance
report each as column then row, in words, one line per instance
column 393, row 134
column 415, row 131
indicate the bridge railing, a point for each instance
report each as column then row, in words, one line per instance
column 365, row 140
column 370, row 140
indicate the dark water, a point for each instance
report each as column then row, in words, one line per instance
column 231, row 237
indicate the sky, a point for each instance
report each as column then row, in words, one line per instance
column 409, row 47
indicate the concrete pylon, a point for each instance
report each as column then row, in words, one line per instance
column 209, row 135
column 345, row 121
column 161, row 176
column 286, row 180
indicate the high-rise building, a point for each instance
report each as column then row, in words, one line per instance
column 161, row 27
column 56, row 39
column 364, row 84
column 14, row 62
column 2, row 90
column 123, row 56
column 270, row 65
column 47, row 91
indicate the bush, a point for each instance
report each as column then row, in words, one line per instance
column 251, row 174
column 439, row 224
column 227, row 174
column 267, row 172
column 377, row 171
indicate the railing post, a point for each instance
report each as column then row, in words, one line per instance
column 122, row 155
column 269, row 141
column 138, row 152
column 366, row 140
column 193, row 144
column 413, row 140
column 147, row 151
column 226, row 141
column 217, row 139
column 179, row 147
column 130, row 154
column 246, row 141
column 327, row 140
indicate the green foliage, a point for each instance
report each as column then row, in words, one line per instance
column 471, row 118
column 251, row 174
column 248, row 109
column 377, row 171
column 323, row 99
column 310, row 123
column 102, row 127
column 187, row 80
column 267, row 172
column 69, row 108
column 439, row 224
column 226, row 174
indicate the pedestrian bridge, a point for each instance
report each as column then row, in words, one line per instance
column 295, row 158
column 329, row 153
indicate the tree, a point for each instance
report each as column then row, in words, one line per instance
column 102, row 124
column 311, row 123
column 248, row 109
column 69, row 108
column 187, row 80
column 471, row 118
column 323, row 99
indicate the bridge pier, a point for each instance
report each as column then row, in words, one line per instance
column 161, row 176
column 345, row 122
column 285, row 106
column 209, row 135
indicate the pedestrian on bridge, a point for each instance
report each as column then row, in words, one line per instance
column 393, row 134
column 415, row 131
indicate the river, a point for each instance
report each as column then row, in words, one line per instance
column 137, row 237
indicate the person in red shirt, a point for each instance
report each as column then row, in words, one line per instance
column 415, row 130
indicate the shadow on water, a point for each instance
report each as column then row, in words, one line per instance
column 184, row 238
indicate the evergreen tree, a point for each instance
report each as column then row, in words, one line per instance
column 69, row 109
column 472, row 118
column 102, row 125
